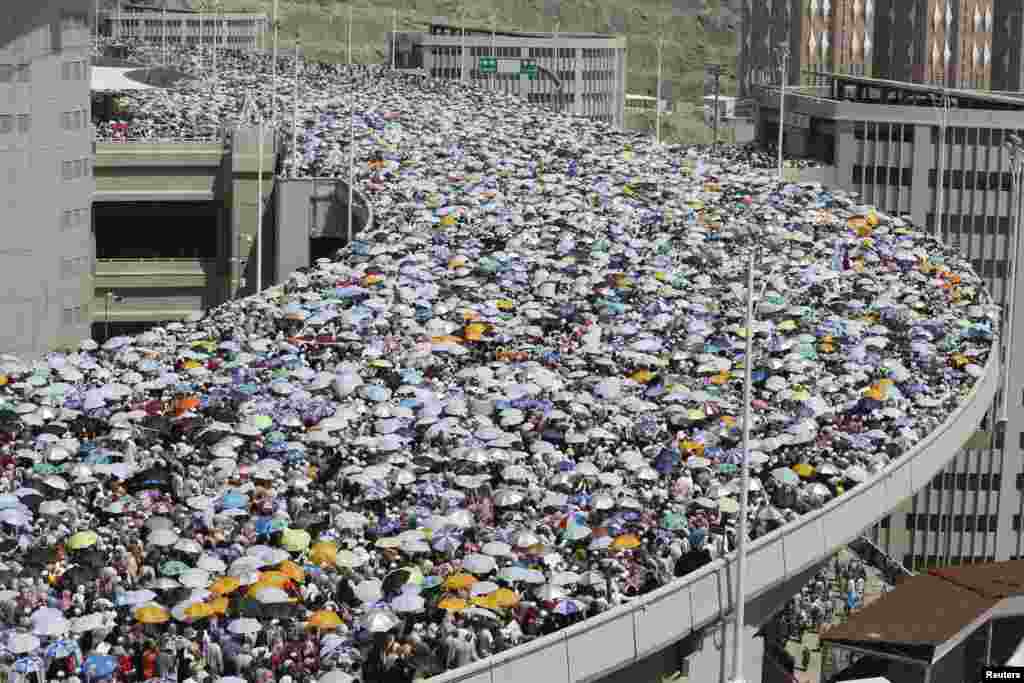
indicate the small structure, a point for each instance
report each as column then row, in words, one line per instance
column 180, row 25
column 939, row 627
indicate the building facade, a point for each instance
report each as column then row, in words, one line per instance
column 577, row 73
column 231, row 31
column 941, row 42
column 955, row 182
column 1007, row 45
column 46, row 183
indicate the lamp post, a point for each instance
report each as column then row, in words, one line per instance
column 784, row 74
column 109, row 299
column 1015, row 149
column 351, row 132
column 741, row 525
column 940, row 172
column 273, row 71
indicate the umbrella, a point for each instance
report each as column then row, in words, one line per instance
column 626, row 542
column 152, row 614
column 369, row 591
column 459, row 581
column 336, row 676
column 324, row 620
column 478, row 564
column 379, row 620
column 452, row 604
column 295, row 540
column 98, row 667
column 82, row 539
column 245, row 626
column 407, row 603
column 134, row 598
column 323, row 553
column 23, row 643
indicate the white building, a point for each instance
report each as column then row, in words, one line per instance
column 581, row 73
column 140, row 22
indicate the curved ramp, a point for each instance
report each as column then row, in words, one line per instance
column 620, row 637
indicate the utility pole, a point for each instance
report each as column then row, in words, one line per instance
column 657, row 101
column 716, row 71
column 351, row 132
column 273, row 73
column 295, row 113
column 394, row 38
column 1015, row 149
column 940, row 172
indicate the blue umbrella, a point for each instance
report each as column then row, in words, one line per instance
column 99, row 666
column 63, row 648
column 233, row 500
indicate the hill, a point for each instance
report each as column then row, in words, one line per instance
column 689, row 42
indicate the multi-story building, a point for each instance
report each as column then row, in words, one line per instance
column 941, row 42
column 886, row 141
column 46, row 179
column 1007, row 45
column 581, row 73
column 147, row 23
column 826, row 36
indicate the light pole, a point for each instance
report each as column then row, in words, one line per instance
column 939, row 178
column 351, row 131
column 273, row 72
column 657, row 101
column 716, row 71
column 741, row 525
column 784, row 74
column 109, row 299
column 295, row 112
column 394, row 38
column 1015, row 148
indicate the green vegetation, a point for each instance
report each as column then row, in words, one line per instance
column 689, row 43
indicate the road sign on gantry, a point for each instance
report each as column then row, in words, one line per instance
column 489, row 65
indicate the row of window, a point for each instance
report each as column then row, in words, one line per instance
column 894, row 132
column 921, row 562
column 942, row 522
column 967, row 481
column 76, row 119
column 15, row 73
column 979, row 225
column 10, row 122
column 76, row 168
column 73, row 266
column 990, row 268
column 74, row 218
column 74, row 315
column 883, row 175
column 76, row 70
column 972, row 180
column 983, row 137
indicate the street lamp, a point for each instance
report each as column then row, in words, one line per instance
column 1015, row 149
column 109, row 299
column 783, row 52
column 754, row 252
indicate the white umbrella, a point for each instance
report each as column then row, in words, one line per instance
column 194, row 578
column 23, row 643
column 163, row 538
column 478, row 564
column 369, row 591
column 272, row 596
column 336, row 676
column 245, row 626
column 211, row 564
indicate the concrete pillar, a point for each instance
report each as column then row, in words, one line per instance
column 243, row 205
column 846, row 153
column 578, row 85
column 921, row 202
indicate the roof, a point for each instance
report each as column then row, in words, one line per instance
column 921, row 88
column 928, row 610
column 515, row 34
column 114, row 79
column 923, row 612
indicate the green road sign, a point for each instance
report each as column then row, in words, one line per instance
column 529, row 69
column 489, row 65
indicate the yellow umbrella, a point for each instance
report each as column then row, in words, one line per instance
column 486, row 601
column 504, row 597
column 452, row 604
column 323, row 553
column 200, row 610
column 218, row 605
column 804, row 469
column 152, row 614
column 388, row 542
column 626, row 542
column 475, row 331
column 642, row 376
column 459, row 581
column 83, row 539
column 292, row 571
column 225, row 585
column 324, row 620
column 295, row 540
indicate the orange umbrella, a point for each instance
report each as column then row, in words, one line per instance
column 279, row 579
column 475, row 331
column 218, row 605
column 225, row 585
column 626, row 542
column 152, row 614
column 324, row 620
column 452, row 604
column 292, row 571
column 323, row 553
column 459, row 581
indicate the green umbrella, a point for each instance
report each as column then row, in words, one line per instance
column 262, row 422
column 727, row 468
column 44, row 468
column 173, row 568
column 674, row 521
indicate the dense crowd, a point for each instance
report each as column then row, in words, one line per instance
column 513, row 403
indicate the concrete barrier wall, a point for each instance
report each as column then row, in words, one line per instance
column 625, row 635
column 302, row 212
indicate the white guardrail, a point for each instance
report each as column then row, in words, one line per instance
column 615, row 639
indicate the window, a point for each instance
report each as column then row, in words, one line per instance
column 932, row 177
column 858, row 130
column 922, row 522
column 933, row 522
column 968, row 180
column 1006, row 182
column 985, row 482
column 984, row 134
column 961, row 481
column 24, row 123
column 6, row 123
column 908, row 177
column 997, row 482
column 880, row 175
column 67, row 219
column 66, row 170
column 910, row 521
column 958, row 522
column 972, row 136
column 24, row 73
column 6, row 73
column 997, row 138
column 960, row 135
column 969, row 523
column 972, row 481
column 979, row 180
column 937, row 482
column 993, row 521
column 858, row 174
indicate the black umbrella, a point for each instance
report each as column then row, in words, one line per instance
column 75, row 576
column 90, row 557
column 152, row 478
column 40, row 556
